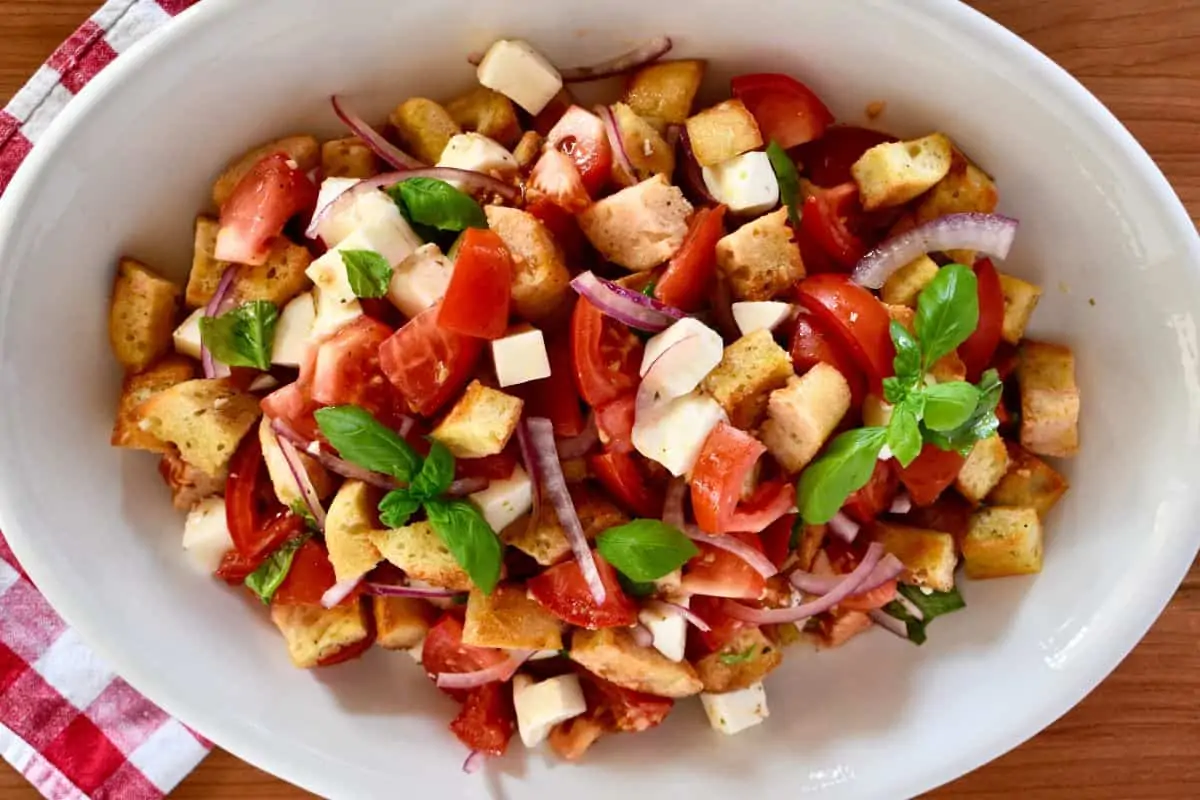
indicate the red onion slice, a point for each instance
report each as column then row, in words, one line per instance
column 476, row 761
column 992, row 234
column 889, row 623
column 642, row 636
column 625, row 305
column 910, row 607
column 667, row 607
column 693, row 175
column 902, row 504
column 374, row 140
column 620, row 155
column 331, row 462
column 218, row 304
column 419, row 592
column 541, row 437
column 308, row 492
column 578, row 446
column 848, row 587
column 465, row 486
column 339, row 591
column 843, row 527
column 673, row 505
column 496, row 673
column 643, row 54
column 723, row 541
column 889, row 567
column 531, row 468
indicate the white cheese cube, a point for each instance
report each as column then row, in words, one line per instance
column 477, row 153
column 391, row 238
column 331, row 188
column 757, row 315
column 520, row 73
column 187, row 335
column 694, row 350
column 541, row 706
column 668, row 629
column 674, row 432
column 336, row 302
column 420, row 280
column 745, row 183
column 520, row 358
column 364, row 207
column 734, row 712
column 417, row 651
column 206, row 537
column 293, row 331
column 505, row 501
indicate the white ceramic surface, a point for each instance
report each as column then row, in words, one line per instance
column 129, row 164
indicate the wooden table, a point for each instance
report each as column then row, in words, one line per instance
column 1138, row 734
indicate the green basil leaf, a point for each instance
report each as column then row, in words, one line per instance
column 846, row 465
column 469, row 538
column 949, row 405
column 243, row 336
column 439, row 205
column 894, row 391
column 908, row 357
column 645, row 549
column 369, row 273
column 947, row 311
column 729, row 659
column 437, row 473
column 636, row 588
column 931, row 606
column 360, row 438
column 904, row 434
column 788, row 179
column 397, row 507
column 266, row 580
column 648, row 289
column 982, row 424
column 299, row 508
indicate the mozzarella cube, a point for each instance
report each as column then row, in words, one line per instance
column 520, row 73
column 693, row 350
column 760, row 315
column 541, row 706
column 417, row 651
column 505, row 501
column 745, row 183
column 187, row 335
column 362, row 208
column 520, row 358
column 206, row 537
column 668, row 629
column 293, row 331
column 332, row 188
column 390, row 237
column 734, row 712
column 477, row 153
column 336, row 302
column 674, row 432
column 420, row 281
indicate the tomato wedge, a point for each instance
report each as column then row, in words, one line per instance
column 563, row 592
column 811, row 345
column 556, row 179
column 347, row 370
column 620, row 474
column 270, row 194
column 931, row 473
column 722, row 627
column 580, row 135
column 878, row 597
column 495, row 468
column 827, row 218
column 615, row 423
column 770, row 501
column 606, row 353
column 621, row 709
column 309, row 578
column 719, row 573
column 786, row 110
column 556, row 398
column 725, row 459
column 687, row 281
column 480, row 290
column 444, row 651
column 865, row 504
column 827, row 161
column 427, row 363
column 856, row 318
column 280, row 527
column 487, row 720
column 977, row 351
column 777, row 539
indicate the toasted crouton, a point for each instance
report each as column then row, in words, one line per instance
column 528, row 149
column 508, row 618
column 929, row 557
column 571, row 739
column 751, row 368
column 648, row 152
column 719, row 133
column 127, row 432
column 906, row 284
column 348, row 158
column 1003, row 541
column 983, row 469
column 205, row 419
column 812, row 538
column 640, row 226
column 207, row 269
column 1020, row 299
column 490, row 113
column 304, row 150
column 838, row 627
column 1029, row 482
column 420, row 552
column 802, row 415
column 546, row 543
column 188, row 484
column 424, row 128
column 761, row 258
column 748, row 658
column 949, row 367
column 1049, row 399
column 348, row 527
column 965, row 188
column 663, row 92
column 278, row 279
column 541, row 281
column 612, row 654
column 142, row 315
column 314, row 634
column 282, row 480
column 893, row 173
column 402, row 622
column 481, row 422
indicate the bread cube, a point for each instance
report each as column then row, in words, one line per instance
column 663, row 92
column 528, row 149
column 402, row 622
column 424, row 128
column 278, row 279
column 983, row 469
column 304, row 150
column 508, row 618
column 893, row 173
column 207, row 269
column 906, row 284
column 1003, row 541
column 1028, row 483
column 1020, row 299
column 929, row 557
column 541, row 280
column 640, row 226
column 142, row 316
column 571, row 739
column 287, row 490
column 750, row 369
column 205, row 419
column 481, row 422
column 420, row 552
column 748, row 658
column 612, row 654
column 348, row 158
column 719, row 133
column 760, row 259
column 314, row 634
column 803, row 414
column 348, row 527
column 965, row 188
column 136, row 389
column 1049, row 399
column 487, row 112
column 648, row 152
column 546, row 543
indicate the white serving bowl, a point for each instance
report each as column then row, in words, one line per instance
column 130, row 163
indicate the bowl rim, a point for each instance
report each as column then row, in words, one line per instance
column 71, row 604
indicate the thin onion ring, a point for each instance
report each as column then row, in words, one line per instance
column 373, row 139
column 992, row 234
column 731, row 544
column 848, row 586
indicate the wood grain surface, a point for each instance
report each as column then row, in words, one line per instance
column 1138, row 734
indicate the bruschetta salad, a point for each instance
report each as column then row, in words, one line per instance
column 591, row 410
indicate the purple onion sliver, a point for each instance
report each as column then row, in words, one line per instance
column 465, row 486
column 902, row 504
column 843, row 527
column 217, row 305
column 673, row 505
column 889, row 623
column 723, row 541
column 308, row 492
column 578, row 446
column 642, row 636
column 339, row 592
column 476, row 761
column 992, row 234
column 848, row 586
column 685, row 612
column 645, row 53
column 620, row 154
column 373, row 139
column 625, row 305
column 421, row 592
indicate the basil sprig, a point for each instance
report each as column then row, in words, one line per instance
column 243, row 336
column 435, row 208
column 645, row 549
column 269, row 576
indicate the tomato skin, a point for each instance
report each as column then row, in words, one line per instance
column 856, row 318
column 562, row 227
column 477, row 299
column 931, row 473
column 270, row 194
column 770, row 501
column 444, row 651
column 687, row 281
column 556, row 179
column 580, row 135
column 812, row 345
column 293, row 403
column 727, row 456
column 495, row 468
column 428, row 364
column 723, row 627
column 777, row 539
column 787, row 111
column 606, row 355
column 979, row 348
column 352, row 651
column 826, row 221
column 615, row 422
column 719, row 573
column 310, row 577
column 487, row 720
column 628, row 484
column 827, row 160
column 878, row 597
column 556, row 398
column 621, row 709
column 347, row 369
column 865, row 504
column 278, row 529
column 563, row 592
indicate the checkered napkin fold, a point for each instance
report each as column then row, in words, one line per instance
column 68, row 724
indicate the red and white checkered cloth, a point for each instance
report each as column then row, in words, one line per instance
column 67, row 722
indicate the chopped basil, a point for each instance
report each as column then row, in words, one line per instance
column 436, row 204
column 931, row 606
column 648, row 289
column 729, row 659
column 266, row 580
column 242, row 337
column 788, row 179
column 645, row 549
column 397, row 506
column 466, row 534
column 369, row 273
